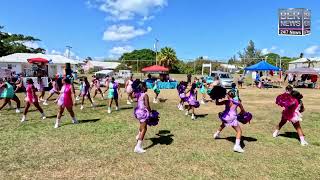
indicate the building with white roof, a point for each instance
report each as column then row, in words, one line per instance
column 304, row 62
column 100, row 65
column 18, row 63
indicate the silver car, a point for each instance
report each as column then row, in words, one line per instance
column 226, row 78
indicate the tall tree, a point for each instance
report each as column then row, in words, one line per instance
column 138, row 59
column 15, row 43
column 167, row 57
column 250, row 55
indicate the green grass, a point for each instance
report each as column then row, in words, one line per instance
column 101, row 146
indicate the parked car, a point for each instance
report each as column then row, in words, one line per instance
column 226, row 78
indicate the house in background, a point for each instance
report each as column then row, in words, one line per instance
column 305, row 62
column 99, row 65
column 18, row 63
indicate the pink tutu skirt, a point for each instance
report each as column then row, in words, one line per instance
column 129, row 90
column 31, row 100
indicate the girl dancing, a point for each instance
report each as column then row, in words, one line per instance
column 65, row 102
column 192, row 101
column 30, row 99
column 293, row 106
column 143, row 113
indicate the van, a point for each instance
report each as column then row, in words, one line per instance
column 226, row 78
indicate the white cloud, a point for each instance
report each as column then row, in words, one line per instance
column 274, row 48
column 55, row 52
column 31, row 44
column 118, row 51
column 265, row 51
column 123, row 33
column 312, row 50
column 128, row 9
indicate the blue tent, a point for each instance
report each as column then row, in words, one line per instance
column 262, row 66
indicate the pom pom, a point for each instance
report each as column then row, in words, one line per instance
column 244, row 118
column 285, row 100
column 153, row 119
column 218, row 92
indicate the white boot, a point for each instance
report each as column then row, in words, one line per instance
column 117, row 108
column 237, row 148
column 45, row 103
column 109, row 110
column 128, row 102
column 24, row 119
column 202, row 102
column 77, row 98
column 75, row 121
column 57, row 124
column 138, row 149
column 81, row 107
column 18, row 111
column 43, row 116
column 193, row 117
column 275, row 133
column 304, row 143
column 216, row 135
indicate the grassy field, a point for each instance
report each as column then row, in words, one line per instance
column 101, row 146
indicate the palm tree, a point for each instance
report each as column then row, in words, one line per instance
column 167, row 57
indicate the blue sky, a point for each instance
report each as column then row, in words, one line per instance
column 217, row 29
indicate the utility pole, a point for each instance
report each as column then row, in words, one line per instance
column 156, row 48
column 69, row 49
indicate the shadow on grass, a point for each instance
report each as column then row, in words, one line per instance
column 293, row 135
column 101, row 105
column 52, row 116
column 162, row 100
column 244, row 138
column 89, row 121
column 163, row 137
column 126, row 107
column 201, row 115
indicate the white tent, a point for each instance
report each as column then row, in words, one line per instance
column 18, row 62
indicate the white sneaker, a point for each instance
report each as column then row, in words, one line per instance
column 77, row 98
column 275, row 133
column 179, row 106
column 81, row 108
column 75, row 121
column 139, row 150
column 131, row 100
column 43, row 116
column 193, row 117
column 24, row 119
column 202, row 102
column 109, row 111
column 187, row 113
column 216, row 135
column 117, row 108
column 45, row 103
column 304, row 143
column 128, row 102
column 238, row 149
column 56, row 125
column 18, row 111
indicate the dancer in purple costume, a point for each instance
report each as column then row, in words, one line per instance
column 182, row 94
column 192, row 101
column 86, row 92
column 144, row 114
column 229, row 118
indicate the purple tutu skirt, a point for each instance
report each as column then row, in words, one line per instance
column 228, row 119
column 194, row 103
column 183, row 97
column 53, row 91
column 143, row 115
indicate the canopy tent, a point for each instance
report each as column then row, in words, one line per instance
column 262, row 66
column 155, row 68
column 37, row 60
column 303, row 70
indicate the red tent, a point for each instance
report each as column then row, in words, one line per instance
column 37, row 60
column 155, row 68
